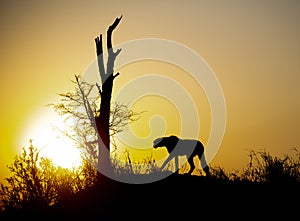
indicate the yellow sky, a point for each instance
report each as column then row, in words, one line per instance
column 253, row 48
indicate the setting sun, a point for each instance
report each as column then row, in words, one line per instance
column 46, row 133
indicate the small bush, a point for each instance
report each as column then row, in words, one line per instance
column 271, row 169
column 36, row 183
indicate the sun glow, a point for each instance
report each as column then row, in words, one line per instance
column 45, row 132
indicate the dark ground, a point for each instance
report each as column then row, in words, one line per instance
column 177, row 197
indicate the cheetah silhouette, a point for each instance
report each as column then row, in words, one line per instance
column 182, row 147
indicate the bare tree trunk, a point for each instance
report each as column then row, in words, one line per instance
column 107, row 79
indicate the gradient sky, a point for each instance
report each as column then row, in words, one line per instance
column 253, row 48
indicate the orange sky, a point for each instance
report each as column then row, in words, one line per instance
column 253, row 48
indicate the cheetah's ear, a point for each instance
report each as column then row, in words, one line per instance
column 174, row 138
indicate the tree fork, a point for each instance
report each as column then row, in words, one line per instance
column 107, row 78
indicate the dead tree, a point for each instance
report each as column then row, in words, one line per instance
column 105, row 89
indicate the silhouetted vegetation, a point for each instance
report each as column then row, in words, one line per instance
column 36, row 183
column 37, row 187
column 266, row 168
column 82, row 106
column 134, row 167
